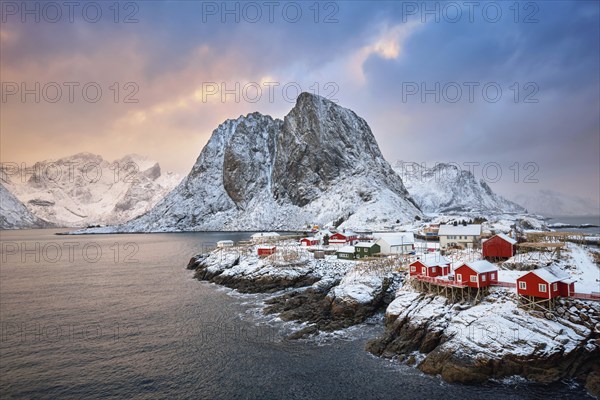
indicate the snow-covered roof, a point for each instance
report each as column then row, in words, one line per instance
column 225, row 241
column 309, row 238
column 461, row 230
column 364, row 244
column 346, row 233
column 433, row 260
column 506, row 238
column 346, row 249
column 481, row 266
column 266, row 247
column 546, row 275
column 396, row 238
column 322, row 233
column 265, row 234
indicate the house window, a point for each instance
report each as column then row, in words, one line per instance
column 473, row 278
column 555, row 287
column 483, row 278
column 522, row 285
column 433, row 270
column 459, row 277
column 542, row 287
column 413, row 269
column 424, row 271
column 493, row 276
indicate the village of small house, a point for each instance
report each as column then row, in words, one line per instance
column 456, row 260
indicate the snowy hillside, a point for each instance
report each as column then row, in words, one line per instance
column 446, row 188
column 85, row 189
column 321, row 164
column 14, row 215
column 550, row 203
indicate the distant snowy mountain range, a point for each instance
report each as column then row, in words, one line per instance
column 447, row 189
column 84, row 189
column 553, row 203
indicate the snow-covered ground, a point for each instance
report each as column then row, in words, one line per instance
column 580, row 264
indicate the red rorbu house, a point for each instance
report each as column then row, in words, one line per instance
column 309, row 241
column 476, row 274
column 264, row 251
column 544, row 284
column 499, row 246
column 431, row 265
column 346, row 238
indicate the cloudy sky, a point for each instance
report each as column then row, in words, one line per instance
column 493, row 86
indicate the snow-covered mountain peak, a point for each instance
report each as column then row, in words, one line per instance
column 320, row 164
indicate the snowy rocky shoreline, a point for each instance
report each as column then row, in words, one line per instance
column 493, row 339
column 461, row 342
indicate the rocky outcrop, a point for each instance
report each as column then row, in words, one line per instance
column 264, row 279
column 326, row 311
column 335, row 294
column 492, row 340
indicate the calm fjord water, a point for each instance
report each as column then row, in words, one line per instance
column 119, row 316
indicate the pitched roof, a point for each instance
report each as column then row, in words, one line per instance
column 433, row 260
column 346, row 249
column 396, row 238
column 364, row 244
column 465, row 230
column 506, row 238
column 481, row 266
column 546, row 275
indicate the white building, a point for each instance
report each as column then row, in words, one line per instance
column 224, row 243
column 263, row 237
column 459, row 235
column 395, row 242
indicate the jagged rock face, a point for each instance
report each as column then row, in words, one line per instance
column 445, row 188
column 247, row 163
column 321, row 142
column 320, row 164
